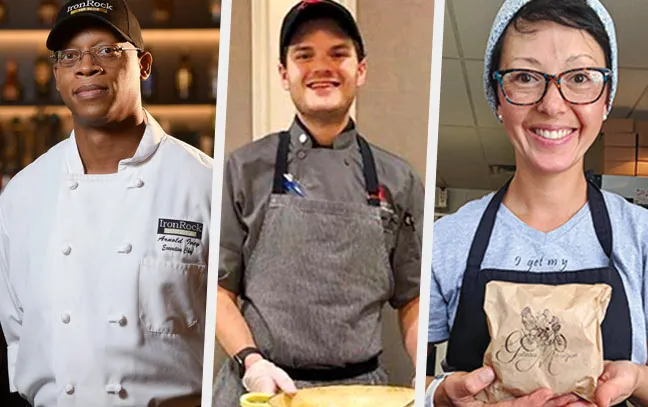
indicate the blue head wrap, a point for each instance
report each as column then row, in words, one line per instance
column 504, row 16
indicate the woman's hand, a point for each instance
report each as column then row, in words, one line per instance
column 460, row 389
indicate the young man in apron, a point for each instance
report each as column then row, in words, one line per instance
column 104, row 239
column 319, row 229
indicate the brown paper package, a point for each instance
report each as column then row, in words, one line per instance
column 544, row 336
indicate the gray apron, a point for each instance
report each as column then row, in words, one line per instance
column 314, row 287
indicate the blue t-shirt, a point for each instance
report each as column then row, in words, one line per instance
column 516, row 246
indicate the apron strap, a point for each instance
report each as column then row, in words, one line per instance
column 368, row 168
column 485, row 229
column 281, row 163
column 601, row 217
column 370, row 174
column 598, row 209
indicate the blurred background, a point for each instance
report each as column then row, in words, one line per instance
column 474, row 153
column 183, row 37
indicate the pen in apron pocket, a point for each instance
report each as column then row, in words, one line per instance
column 292, row 185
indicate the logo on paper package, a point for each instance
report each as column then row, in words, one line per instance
column 539, row 343
column 182, row 228
column 90, row 5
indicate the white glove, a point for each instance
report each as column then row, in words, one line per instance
column 264, row 377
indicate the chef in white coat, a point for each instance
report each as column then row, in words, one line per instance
column 104, row 239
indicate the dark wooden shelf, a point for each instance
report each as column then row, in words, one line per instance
column 152, row 37
column 185, row 112
column 184, row 13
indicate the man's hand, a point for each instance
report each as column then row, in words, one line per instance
column 264, row 377
column 619, row 381
column 460, row 389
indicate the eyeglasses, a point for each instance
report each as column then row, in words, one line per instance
column 524, row 87
column 106, row 54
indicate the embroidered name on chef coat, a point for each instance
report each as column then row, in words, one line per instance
column 180, row 236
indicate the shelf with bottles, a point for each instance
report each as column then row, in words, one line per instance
column 186, row 113
column 185, row 77
column 35, row 38
column 24, row 138
column 189, row 67
column 183, row 37
column 182, row 121
column 40, row 14
column 185, row 53
column 26, row 132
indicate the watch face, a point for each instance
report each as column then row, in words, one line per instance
column 239, row 358
column 239, row 365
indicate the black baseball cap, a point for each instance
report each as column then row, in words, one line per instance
column 114, row 14
column 307, row 10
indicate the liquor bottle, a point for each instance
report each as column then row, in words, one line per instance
column 165, row 123
column 149, row 85
column 55, row 130
column 215, row 10
column 11, row 147
column 184, row 78
column 193, row 138
column 26, row 143
column 3, row 150
column 3, row 12
column 11, row 89
column 4, row 180
column 162, row 10
column 43, row 78
column 40, row 129
column 206, row 143
column 47, row 12
column 213, row 77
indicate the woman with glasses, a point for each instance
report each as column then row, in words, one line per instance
column 550, row 77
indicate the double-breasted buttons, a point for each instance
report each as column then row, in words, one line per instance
column 65, row 318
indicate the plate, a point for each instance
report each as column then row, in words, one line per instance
column 346, row 396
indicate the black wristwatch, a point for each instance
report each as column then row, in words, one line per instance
column 239, row 358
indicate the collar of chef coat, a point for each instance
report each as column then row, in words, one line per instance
column 342, row 141
column 149, row 143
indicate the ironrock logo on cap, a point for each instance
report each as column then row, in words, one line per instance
column 305, row 3
column 90, row 5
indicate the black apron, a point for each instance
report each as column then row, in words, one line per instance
column 469, row 337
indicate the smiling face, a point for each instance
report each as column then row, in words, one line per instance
column 322, row 71
column 98, row 92
column 553, row 135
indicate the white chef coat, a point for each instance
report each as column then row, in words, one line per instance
column 103, row 277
